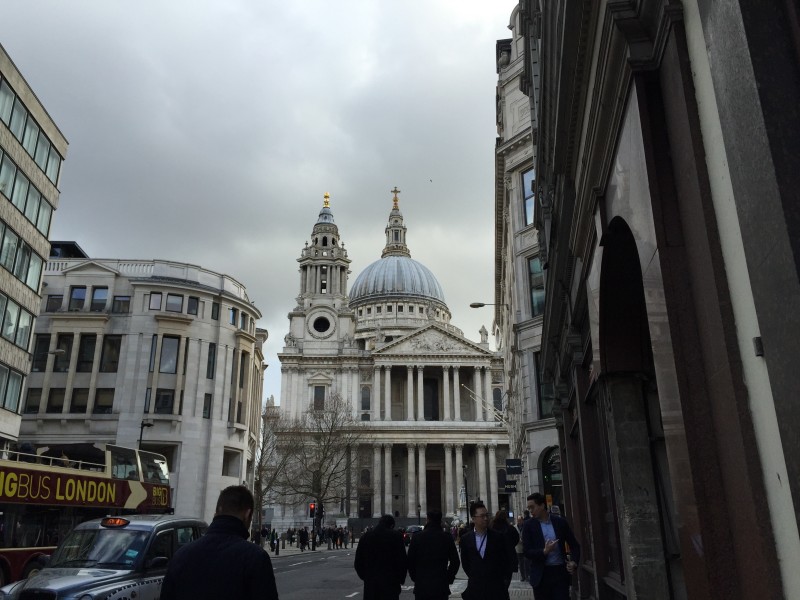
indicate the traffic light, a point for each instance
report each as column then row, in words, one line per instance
column 311, row 509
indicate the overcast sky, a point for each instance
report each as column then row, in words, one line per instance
column 208, row 131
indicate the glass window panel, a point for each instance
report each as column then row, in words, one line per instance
column 18, row 117
column 86, row 347
column 9, row 250
column 3, row 301
column 99, row 299
column 53, row 165
column 55, row 400
column 103, row 401
column 537, row 301
column 7, row 171
column 34, row 273
column 40, row 349
column 121, row 304
column 23, row 260
column 54, row 303
column 30, row 136
column 63, row 352
column 43, row 220
column 6, row 102
column 215, row 311
column 4, row 370
column 153, row 344
column 32, row 205
column 13, row 391
column 77, row 297
column 33, row 400
column 207, row 400
column 79, row 400
column 165, row 400
column 42, row 152
column 174, row 303
column 169, row 354
column 528, row 178
column 211, row 365
column 191, row 305
column 24, row 329
column 21, row 186
column 109, row 362
column 155, row 300
column 10, row 320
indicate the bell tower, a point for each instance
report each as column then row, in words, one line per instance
column 395, row 231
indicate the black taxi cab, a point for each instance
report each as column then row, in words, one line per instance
column 113, row 558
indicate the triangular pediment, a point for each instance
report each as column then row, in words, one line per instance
column 91, row 267
column 433, row 340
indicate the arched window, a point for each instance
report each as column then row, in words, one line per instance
column 364, row 481
column 324, row 240
column 365, row 398
column 551, row 475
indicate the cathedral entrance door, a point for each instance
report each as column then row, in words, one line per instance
column 433, row 484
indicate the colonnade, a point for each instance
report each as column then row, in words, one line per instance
column 417, row 467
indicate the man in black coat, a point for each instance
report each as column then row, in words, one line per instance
column 222, row 563
column 485, row 558
column 552, row 549
column 432, row 560
column 381, row 561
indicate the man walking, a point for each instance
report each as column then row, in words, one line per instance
column 381, row 561
column 485, row 558
column 222, row 563
column 432, row 560
column 552, row 549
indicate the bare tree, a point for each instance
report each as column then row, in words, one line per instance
column 275, row 452
column 320, row 463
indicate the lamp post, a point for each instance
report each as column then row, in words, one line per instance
column 141, row 431
column 419, row 508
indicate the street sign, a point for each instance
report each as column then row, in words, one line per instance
column 510, row 486
column 514, row 466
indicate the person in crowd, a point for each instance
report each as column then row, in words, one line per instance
column 303, row 537
column 222, row 564
column 484, row 557
column 432, row 560
column 511, row 535
column 381, row 561
column 552, row 549
column 522, row 562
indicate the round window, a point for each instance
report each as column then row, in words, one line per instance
column 321, row 324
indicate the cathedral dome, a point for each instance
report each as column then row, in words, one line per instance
column 396, row 278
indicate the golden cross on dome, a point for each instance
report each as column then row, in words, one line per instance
column 395, row 191
column 327, row 203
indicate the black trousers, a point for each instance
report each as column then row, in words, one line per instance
column 554, row 584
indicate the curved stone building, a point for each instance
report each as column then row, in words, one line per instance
column 422, row 388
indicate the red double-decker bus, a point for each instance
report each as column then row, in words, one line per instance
column 45, row 492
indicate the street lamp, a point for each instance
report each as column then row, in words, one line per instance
column 419, row 508
column 482, row 304
column 144, row 424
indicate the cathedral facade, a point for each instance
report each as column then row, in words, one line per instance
column 425, row 393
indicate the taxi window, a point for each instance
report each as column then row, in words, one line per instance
column 185, row 535
column 162, row 546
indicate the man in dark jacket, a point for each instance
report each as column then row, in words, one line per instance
column 222, row 563
column 485, row 558
column 432, row 560
column 381, row 561
column 552, row 549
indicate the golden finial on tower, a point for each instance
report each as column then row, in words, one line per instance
column 327, row 203
column 395, row 191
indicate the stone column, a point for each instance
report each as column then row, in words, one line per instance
column 446, row 392
column 456, row 394
column 387, row 399
column 459, row 448
column 423, row 489
column 375, row 405
column 410, row 393
column 487, row 393
column 355, row 475
column 355, row 382
column 412, row 485
column 481, row 452
column 448, row 479
column 387, row 478
column 376, row 480
column 493, row 491
column 478, row 386
column 420, row 395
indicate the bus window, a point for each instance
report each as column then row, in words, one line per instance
column 154, row 467
column 123, row 463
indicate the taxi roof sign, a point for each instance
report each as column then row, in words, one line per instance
column 114, row 522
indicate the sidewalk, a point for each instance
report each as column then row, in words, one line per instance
column 517, row 590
